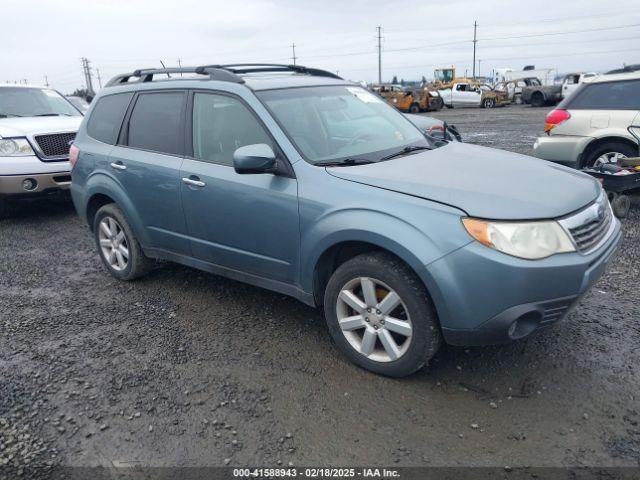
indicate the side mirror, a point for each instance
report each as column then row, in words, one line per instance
column 258, row 158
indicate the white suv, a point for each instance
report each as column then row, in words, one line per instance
column 598, row 123
column 36, row 127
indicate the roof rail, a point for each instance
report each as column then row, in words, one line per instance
column 241, row 68
column 147, row 75
column 225, row 73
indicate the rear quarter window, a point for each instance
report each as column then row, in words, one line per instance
column 606, row 96
column 106, row 118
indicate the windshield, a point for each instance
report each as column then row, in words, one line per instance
column 341, row 122
column 33, row 102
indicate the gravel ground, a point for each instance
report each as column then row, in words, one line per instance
column 186, row 368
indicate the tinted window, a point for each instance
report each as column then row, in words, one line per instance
column 156, row 123
column 222, row 124
column 607, row 96
column 106, row 118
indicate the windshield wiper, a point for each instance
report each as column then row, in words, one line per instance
column 404, row 151
column 345, row 162
column 52, row 115
column 7, row 115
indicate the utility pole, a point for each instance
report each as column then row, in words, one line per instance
column 475, row 40
column 46, row 81
column 379, row 29
column 293, row 50
column 180, row 65
column 99, row 77
column 86, row 67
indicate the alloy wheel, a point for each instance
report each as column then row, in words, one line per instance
column 609, row 157
column 113, row 243
column 374, row 319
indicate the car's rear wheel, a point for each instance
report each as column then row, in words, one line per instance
column 415, row 108
column 380, row 316
column 609, row 152
column 119, row 249
column 489, row 103
column 537, row 100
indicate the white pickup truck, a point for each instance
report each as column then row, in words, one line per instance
column 37, row 126
column 572, row 81
column 466, row 94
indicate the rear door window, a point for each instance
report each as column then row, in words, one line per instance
column 156, row 123
column 607, row 96
column 106, row 117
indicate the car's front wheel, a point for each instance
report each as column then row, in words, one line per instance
column 119, row 249
column 380, row 316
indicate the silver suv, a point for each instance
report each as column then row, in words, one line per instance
column 37, row 125
column 598, row 124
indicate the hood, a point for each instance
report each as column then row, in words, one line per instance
column 26, row 126
column 484, row 182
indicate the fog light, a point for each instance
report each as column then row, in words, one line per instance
column 29, row 184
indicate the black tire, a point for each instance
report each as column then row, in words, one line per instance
column 537, row 100
column 488, row 103
column 425, row 337
column 609, row 147
column 137, row 263
column 621, row 205
column 414, row 108
column 438, row 104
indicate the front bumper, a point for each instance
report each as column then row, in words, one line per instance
column 37, row 184
column 565, row 149
column 485, row 297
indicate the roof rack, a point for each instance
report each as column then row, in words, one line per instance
column 241, row 68
column 148, row 74
column 225, row 73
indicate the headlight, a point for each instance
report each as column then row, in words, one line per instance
column 530, row 240
column 15, row 147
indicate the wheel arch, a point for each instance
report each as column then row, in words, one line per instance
column 339, row 252
column 101, row 190
column 598, row 142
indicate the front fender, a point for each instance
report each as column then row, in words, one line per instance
column 101, row 183
column 394, row 234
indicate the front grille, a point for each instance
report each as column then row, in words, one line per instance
column 589, row 234
column 56, row 145
column 590, row 226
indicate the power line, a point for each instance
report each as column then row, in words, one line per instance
column 513, row 58
column 563, row 33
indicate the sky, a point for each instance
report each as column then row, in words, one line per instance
column 48, row 38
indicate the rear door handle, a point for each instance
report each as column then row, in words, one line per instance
column 194, row 181
column 118, row 166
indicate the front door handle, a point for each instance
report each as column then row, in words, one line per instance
column 118, row 166
column 194, row 181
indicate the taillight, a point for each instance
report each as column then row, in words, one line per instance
column 555, row 118
column 74, row 153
